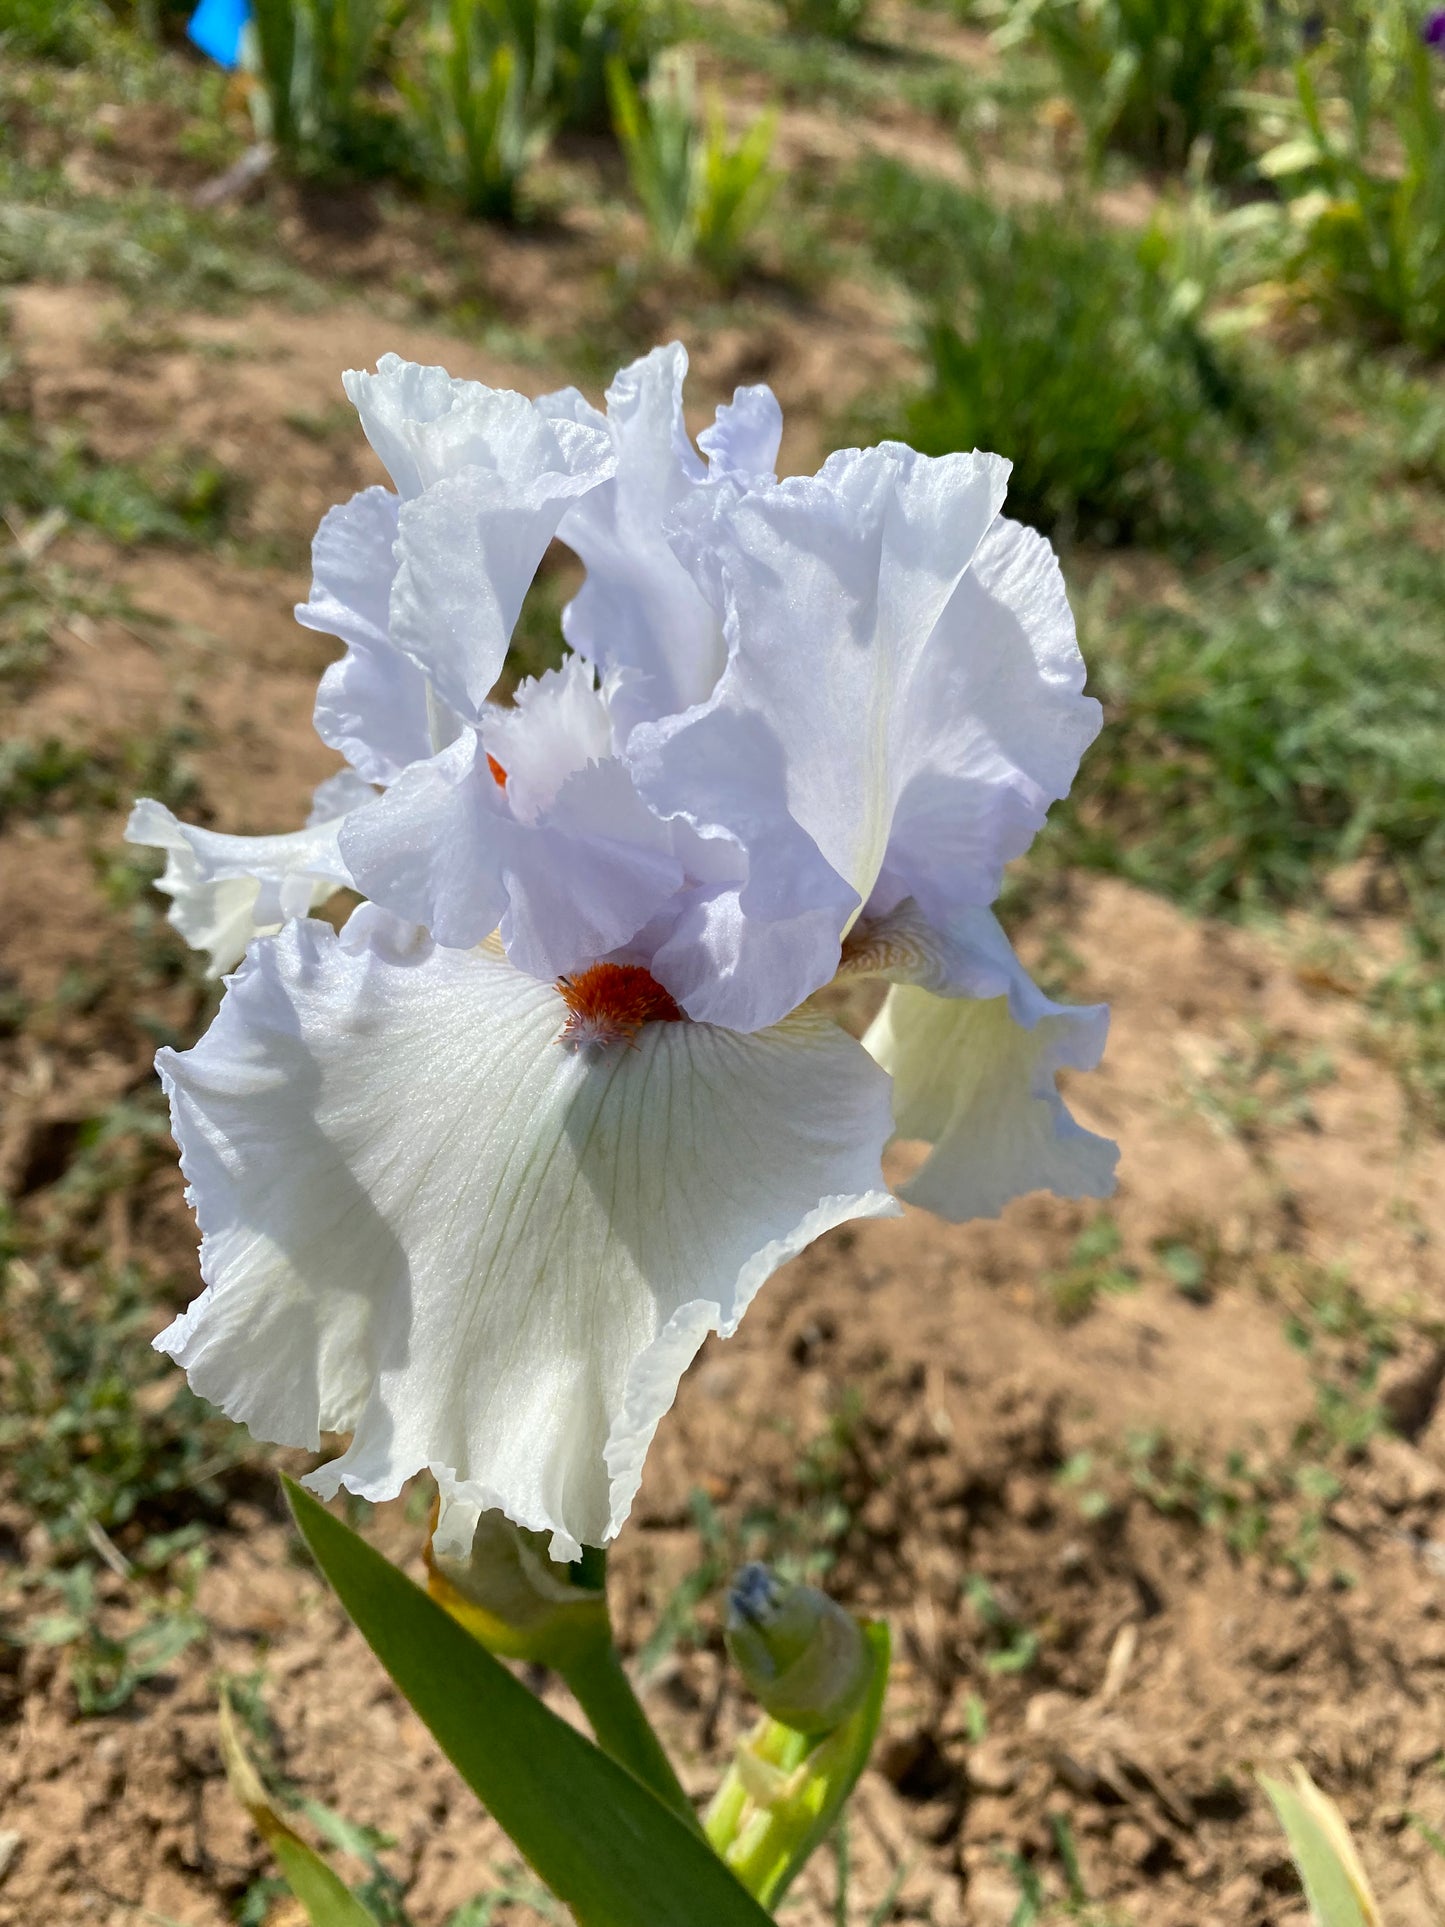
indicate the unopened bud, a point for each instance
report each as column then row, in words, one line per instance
column 515, row 1599
column 805, row 1659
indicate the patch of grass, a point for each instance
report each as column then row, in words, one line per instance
column 1094, row 1269
column 1152, row 78
column 1263, row 1087
column 702, row 192
column 860, row 78
column 1007, row 1645
column 1282, row 716
column 97, row 1426
column 826, row 19
column 1275, row 1504
column 1060, row 341
column 42, row 779
column 1366, row 165
column 146, row 241
column 1408, row 1005
column 62, row 30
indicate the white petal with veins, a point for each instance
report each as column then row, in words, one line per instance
column 427, row 1224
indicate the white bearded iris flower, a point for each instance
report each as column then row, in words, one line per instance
column 476, row 1177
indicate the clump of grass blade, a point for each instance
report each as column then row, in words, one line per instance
column 321, row 62
column 565, row 46
column 1366, row 169
column 1153, row 78
column 702, row 192
column 1071, row 346
column 476, row 123
column 826, row 19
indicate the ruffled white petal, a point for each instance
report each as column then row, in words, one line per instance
column 638, row 611
column 831, row 588
column 765, row 935
column 426, row 424
column 558, row 724
column 468, row 547
column 974, row 1072
column 426, row 1223
column 443, row 848
column 225, row 890
column 372, row 703
column 996, row 724
column 744, row 439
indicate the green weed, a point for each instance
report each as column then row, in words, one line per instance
column 1036, row 1904
column 106, row 1668
column 1094, row 1269
column 45, row 778
column 97, row 1426
column 1408, row 1007
column 1008, row 1645
column 883, row 1911
column 1262, row 1087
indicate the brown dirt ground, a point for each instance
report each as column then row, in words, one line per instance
column 907, row 1394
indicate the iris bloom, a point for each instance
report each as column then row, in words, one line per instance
column 476, row 1176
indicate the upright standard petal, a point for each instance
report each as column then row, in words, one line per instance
column 831, row 589
column 638, row 611
column 372, row 703
column 975, row 1070
column 468, row 547
column 745, row 437
column 426, row 424
column 225, row 890
column 426, row 1222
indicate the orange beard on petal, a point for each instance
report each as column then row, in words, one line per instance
column 609, row 1003
column 499, row 775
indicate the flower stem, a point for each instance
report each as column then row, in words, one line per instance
column 605, row 1694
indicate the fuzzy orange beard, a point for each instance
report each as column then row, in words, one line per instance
column 609, row 1003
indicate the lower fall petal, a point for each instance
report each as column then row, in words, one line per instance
column 974, row 1074
column 427, row 1222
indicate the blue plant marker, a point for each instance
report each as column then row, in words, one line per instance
column 216, row 28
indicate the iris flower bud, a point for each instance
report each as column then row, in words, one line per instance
column 517, row 1601
column 804, row 1658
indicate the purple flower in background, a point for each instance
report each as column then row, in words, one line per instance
column 1433, row 31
